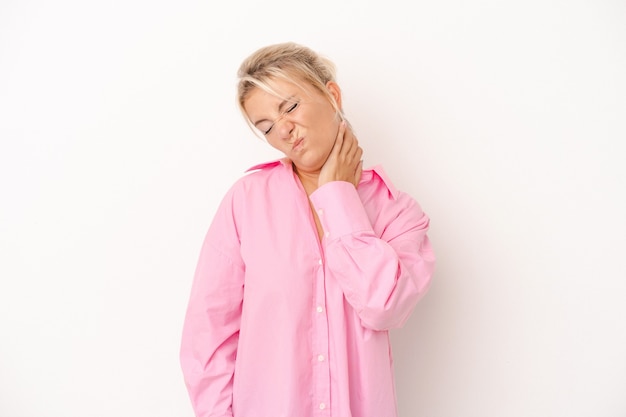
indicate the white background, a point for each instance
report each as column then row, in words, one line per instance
column 504, row 119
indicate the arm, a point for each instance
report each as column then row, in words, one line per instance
column 382, row 277
column 211, row 326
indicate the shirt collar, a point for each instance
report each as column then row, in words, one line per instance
column 366, row 176
column 264, row 165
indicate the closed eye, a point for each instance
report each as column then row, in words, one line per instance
column 292, row 107
column 289, row 109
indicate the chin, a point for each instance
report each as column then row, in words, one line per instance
column 307, row 166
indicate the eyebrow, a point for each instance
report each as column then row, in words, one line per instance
column 281, row 106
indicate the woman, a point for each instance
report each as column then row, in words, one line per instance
column 309, row 261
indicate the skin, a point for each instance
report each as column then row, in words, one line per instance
column 313, row 136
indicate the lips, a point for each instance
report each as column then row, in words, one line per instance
column 297, row 144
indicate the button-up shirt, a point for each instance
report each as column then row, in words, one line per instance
column 283, row 323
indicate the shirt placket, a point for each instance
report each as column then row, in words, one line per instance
column 320, row 341
column 320, row 361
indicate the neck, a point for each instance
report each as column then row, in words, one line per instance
column 309, row 180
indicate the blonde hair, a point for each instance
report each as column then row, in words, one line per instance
column 289, row 61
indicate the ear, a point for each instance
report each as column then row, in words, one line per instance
column 335, row 91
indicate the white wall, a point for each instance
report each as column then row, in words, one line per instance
column 119, row 135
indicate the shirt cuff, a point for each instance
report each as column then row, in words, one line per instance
column 340, row 209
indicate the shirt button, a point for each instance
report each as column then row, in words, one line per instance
column 327, row 234
column 320, row 309
column 320, row 212
column 322, row 406
column 319, row 261
column 320, row 358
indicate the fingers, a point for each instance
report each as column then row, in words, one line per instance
column 351, row 156
column 357, row 174
column 344, row 162
column 349, row 148
column 339, row 140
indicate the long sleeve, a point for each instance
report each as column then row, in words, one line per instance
column 382, row 260
column 212, row 322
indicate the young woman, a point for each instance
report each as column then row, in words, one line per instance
column 309, row 261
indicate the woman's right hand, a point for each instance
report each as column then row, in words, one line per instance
column 345, row 161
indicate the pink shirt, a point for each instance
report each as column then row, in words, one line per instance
column 280, row 324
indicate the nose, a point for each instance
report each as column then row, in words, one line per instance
column 283, row 127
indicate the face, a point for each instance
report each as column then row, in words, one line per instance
column 303, row 126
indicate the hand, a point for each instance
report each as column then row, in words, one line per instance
column 344, row 162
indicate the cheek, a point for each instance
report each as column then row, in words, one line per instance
column 327, row 121
column 276, row 144
column 331, row 130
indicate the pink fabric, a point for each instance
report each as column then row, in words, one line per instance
column 280, row 324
